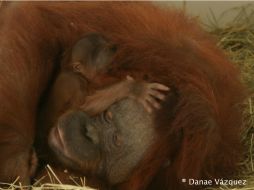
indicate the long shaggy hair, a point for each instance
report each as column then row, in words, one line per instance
column 198, row 126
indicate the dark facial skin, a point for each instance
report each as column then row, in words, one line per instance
column 110, row 144
column 91, row 55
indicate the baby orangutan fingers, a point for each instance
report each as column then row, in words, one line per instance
column 154, row 91
column 153, row 94
column 157, row 94
column 148, row 94
column 158, row 86
column 154, row 102
column 149, row 102
column 146, row 105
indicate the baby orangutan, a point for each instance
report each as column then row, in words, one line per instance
column 91, row 57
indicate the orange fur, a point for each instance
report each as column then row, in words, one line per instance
column 200, row 136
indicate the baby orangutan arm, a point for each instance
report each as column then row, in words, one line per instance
column 148, row 94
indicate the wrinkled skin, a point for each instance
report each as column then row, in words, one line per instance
column 111, row 144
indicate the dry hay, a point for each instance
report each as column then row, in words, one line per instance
column 55, row 183
column 237, row 39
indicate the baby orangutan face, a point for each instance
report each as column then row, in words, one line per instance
column 91, row 54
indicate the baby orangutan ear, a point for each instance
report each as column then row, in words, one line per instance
column 77, row 66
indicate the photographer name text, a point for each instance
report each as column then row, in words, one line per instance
column 210, row 182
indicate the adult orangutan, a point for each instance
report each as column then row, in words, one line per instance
column 194, row 135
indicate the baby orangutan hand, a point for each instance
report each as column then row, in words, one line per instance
column 148, row 94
